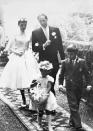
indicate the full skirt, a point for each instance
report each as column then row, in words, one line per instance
column 20, row 71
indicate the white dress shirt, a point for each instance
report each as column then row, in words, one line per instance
column 46, row 32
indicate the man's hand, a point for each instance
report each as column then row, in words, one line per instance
column 62, row 88
column 47, row 43
column 89, row 87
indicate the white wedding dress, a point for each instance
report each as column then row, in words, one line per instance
column 20, row 70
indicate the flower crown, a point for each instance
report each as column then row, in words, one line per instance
column 45, row 65
column 22, row 20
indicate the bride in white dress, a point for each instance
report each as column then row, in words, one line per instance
column 22, row 67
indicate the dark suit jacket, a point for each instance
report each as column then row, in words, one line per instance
column 74, row 73
column 50, row 53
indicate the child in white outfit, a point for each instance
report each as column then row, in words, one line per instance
column 46, row 100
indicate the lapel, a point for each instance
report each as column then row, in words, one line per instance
column 50, row 32
column 76, row 62
column 69, row 65
column 76, row 65
column 73, row 66
column 42, row 35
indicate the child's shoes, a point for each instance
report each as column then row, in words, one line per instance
column 51, row 129
column 39, row 128
column 23, row 105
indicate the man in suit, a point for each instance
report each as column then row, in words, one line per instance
column 74, row 69
column 47, row 42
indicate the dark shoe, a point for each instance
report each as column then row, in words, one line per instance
column 72, row 129
column 53, row 112
column 71, row 124
column 80, row 129
column 33, row 111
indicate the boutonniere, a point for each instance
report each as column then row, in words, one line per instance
column 54, row 35
column 36, row 44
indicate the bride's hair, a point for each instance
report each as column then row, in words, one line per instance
column 22, row 20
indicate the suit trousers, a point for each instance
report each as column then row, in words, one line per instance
column 74, row 97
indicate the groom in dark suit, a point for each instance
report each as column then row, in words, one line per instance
column 47, row 41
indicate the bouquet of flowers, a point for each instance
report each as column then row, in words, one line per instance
column 37, row 94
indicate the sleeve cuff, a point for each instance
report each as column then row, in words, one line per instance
column 43, row 47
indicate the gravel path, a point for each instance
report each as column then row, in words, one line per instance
column 8, row 121
column 8, row 117
column 85, row 111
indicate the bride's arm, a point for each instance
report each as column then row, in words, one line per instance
column 28, row 45
column 9, row 46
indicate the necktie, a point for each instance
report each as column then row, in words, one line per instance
column 71, row 62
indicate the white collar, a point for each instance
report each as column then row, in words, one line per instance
column 46, row 30
column 47, row 27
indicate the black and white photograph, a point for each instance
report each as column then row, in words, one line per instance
column 46, row 65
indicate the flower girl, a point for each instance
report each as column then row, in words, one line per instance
column 41, row 95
